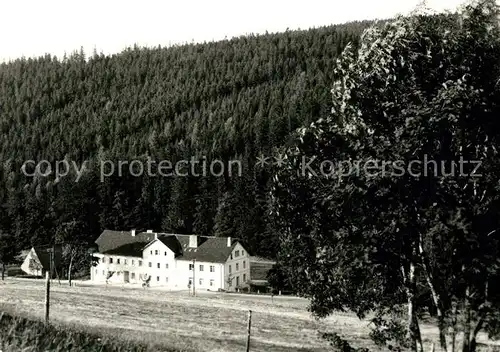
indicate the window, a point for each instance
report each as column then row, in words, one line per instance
column 103, row 272
column 158, row 265
column 96, row 271
column 244, row 264
column 166, row 266
column 237, row 280
column 165, row 256
column 244, row 277
column 236, row 254
column 212, row 268
column 151, row 252
column 158, row 278
column 191, row 266
column 231, row 256
column 150, row 264
column 125, row 261
column 133, row 262
column 118, row 261
column 229, row 269
column 140, row 262
column 166, row 279
column 201, row 267
column 157, row 252
column 242, row 253
column 237, row 266
column 110, row 260
column 132, row 276
column 211, row 282
column 201, row 282
column 104, row 259
column 190, row 281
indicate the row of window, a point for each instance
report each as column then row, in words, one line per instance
column 238, row 267
column 157, row 252
column 125, row 262
column 202, row 267
column 237, row 254
column 118, row 261
column 158, row 265
column 200, row 281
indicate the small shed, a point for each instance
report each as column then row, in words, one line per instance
column 39, row 260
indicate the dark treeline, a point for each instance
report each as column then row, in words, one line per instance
column 233, row 99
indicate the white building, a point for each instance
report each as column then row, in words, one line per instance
column 171, row 260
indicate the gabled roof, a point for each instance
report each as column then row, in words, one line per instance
column 128, row 250
column 209, row 249
column 109, row 239
column 171, row 242
column 212, row 250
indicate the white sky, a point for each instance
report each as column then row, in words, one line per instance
column 35, row 27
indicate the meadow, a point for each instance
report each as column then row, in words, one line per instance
column 160, row 320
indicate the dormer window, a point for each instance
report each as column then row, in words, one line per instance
column 157, row 252
column 236, row 254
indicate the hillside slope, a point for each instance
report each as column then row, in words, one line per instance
column 232, row 99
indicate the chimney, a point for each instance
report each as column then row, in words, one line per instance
column 229, row 242
column 149, row 231
column 133, row 233
column 156, row 236
column 193, row 241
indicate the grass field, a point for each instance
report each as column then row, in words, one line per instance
column 208, row 322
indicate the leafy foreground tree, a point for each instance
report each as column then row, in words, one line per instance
column 393, row 213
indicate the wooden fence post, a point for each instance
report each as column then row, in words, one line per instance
column 249, row 329
column 47, row 296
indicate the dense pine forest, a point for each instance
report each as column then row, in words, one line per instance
column 233, row 99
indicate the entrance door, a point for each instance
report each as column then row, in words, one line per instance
column 126, row 276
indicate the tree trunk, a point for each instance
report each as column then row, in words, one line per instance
column 454, row 327
column 69, row 270
column 435, row 297
column 473, row 341
column 467, row 322
column 413, row 332
column 3, row 271
column 482, row 316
